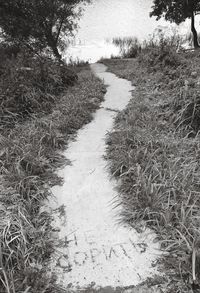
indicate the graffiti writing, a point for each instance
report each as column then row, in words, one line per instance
column 96, row 254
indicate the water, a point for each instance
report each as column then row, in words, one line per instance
column 105, row 19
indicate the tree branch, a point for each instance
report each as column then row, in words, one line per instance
column 59, row 30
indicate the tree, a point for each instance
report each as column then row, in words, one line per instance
column 40, row 23
column 178, row 11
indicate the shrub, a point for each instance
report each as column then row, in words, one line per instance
column 30, row 84
column 157, row 58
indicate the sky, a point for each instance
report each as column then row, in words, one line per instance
column 114, row 18
column 106, row 19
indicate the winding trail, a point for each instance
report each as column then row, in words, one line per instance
column 93, row 249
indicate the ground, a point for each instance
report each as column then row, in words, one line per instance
column 99, row 250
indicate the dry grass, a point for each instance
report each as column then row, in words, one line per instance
column 29, row 154
column 155, row 151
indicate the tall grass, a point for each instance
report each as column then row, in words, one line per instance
column 38, row 116
column 29, row 85
column 154, row 151
column 129, row 47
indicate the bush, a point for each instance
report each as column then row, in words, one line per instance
column 30, row 84
column 157, row 58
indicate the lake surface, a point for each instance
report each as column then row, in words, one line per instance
column 105, row 19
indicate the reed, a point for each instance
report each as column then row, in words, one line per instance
column 129, row 47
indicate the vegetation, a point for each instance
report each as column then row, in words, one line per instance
column 129, row 47
column 43, row 104
column 178, row 11
column 154, row 151
column 39, row 24
column 154, row 148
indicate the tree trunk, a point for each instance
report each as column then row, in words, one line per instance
column 52, row 43
column 56, row 53
column 193, row 29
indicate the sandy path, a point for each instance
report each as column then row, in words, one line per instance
column 93, row 249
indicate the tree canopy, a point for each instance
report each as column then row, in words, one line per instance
column 39, row 23
column 177, row 11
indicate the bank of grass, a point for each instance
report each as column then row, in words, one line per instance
column 38, row 117
column 154, row 149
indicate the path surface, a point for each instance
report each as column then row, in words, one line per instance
column 93, row 249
